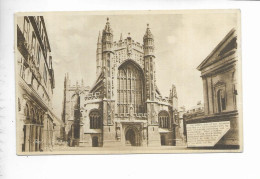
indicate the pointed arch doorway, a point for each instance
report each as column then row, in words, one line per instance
column 132, row 137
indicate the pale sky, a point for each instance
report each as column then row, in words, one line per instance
column 182, row 42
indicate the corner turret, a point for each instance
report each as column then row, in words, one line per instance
column 148, row 41
column 173, row 97
column 99, row 55
column 107, row 56
column 149, row 64
column 107, row 37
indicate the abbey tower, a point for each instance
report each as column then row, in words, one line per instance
column 125, row 107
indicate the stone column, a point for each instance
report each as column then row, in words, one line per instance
column 31, row 138
column 38, row 138
column 27, row 137
column 45, row 132
column 34, row 137
column 21, row 132
column 205, row 94
column 210, row 95
column 47, row 129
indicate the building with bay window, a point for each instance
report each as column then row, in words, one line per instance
column 37, row 126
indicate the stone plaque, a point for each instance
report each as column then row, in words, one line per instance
column 206, row 134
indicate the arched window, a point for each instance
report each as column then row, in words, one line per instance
column 26, row 112
column 163, row 119
column 41, row 120
column 33, row 116
column 37, row 118
column 95, row 120
column 130, row 88
column 221, row 100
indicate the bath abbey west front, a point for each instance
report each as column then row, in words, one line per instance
column 124, row 107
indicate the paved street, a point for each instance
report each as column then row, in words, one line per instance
column 124, row 149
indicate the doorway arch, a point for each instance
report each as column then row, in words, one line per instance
column 132, row 137
column 95, row 141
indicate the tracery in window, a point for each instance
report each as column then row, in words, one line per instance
column 95, row 120
column 130, row 88
column 163, row 119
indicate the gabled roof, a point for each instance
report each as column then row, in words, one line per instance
column 208, row 60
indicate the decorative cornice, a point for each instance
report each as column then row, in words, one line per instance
column 223, row 116
column 229, row 35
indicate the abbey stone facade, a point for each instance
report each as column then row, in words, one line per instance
column 125, row 107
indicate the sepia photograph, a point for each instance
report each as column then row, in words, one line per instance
column 119, row 82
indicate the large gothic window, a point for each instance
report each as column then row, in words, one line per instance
column 163, row 119
column 95, row 120
column 130, row 89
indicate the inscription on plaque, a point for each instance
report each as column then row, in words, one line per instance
column 206, row 134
